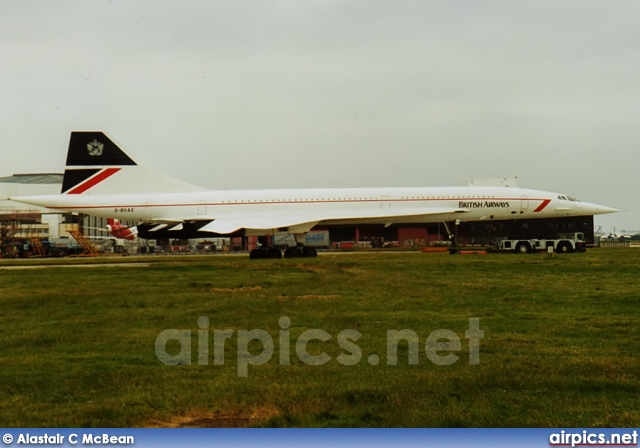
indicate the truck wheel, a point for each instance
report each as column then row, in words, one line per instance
column 564, row 248
column 523, row 248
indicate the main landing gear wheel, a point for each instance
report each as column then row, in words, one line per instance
column 265, row 252
column 564, row 248
column 300, row 252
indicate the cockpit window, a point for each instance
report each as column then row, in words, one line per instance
column 568, row 198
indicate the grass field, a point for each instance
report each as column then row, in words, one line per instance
column 560, row 346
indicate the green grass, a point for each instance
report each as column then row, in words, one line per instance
column 77, row 345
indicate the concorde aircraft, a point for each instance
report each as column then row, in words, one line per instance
column 100, row 179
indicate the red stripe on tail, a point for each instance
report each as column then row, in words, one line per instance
column 95, row 180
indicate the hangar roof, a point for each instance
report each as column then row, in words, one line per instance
column 34, row 178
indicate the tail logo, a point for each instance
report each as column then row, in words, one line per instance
column 95, row 148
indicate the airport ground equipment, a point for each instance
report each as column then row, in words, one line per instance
column 565, row 243
column 36, row 249
column 89, row 249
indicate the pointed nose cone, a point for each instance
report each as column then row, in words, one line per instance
column 595, row 209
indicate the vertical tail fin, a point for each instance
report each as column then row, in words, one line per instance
column 115, row 228
column 97, row 165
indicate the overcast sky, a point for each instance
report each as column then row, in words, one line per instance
column 259, row 94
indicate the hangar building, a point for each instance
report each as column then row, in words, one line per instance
column 30, row 221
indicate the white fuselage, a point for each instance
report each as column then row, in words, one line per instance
column 102, row 180
column 472, row 203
